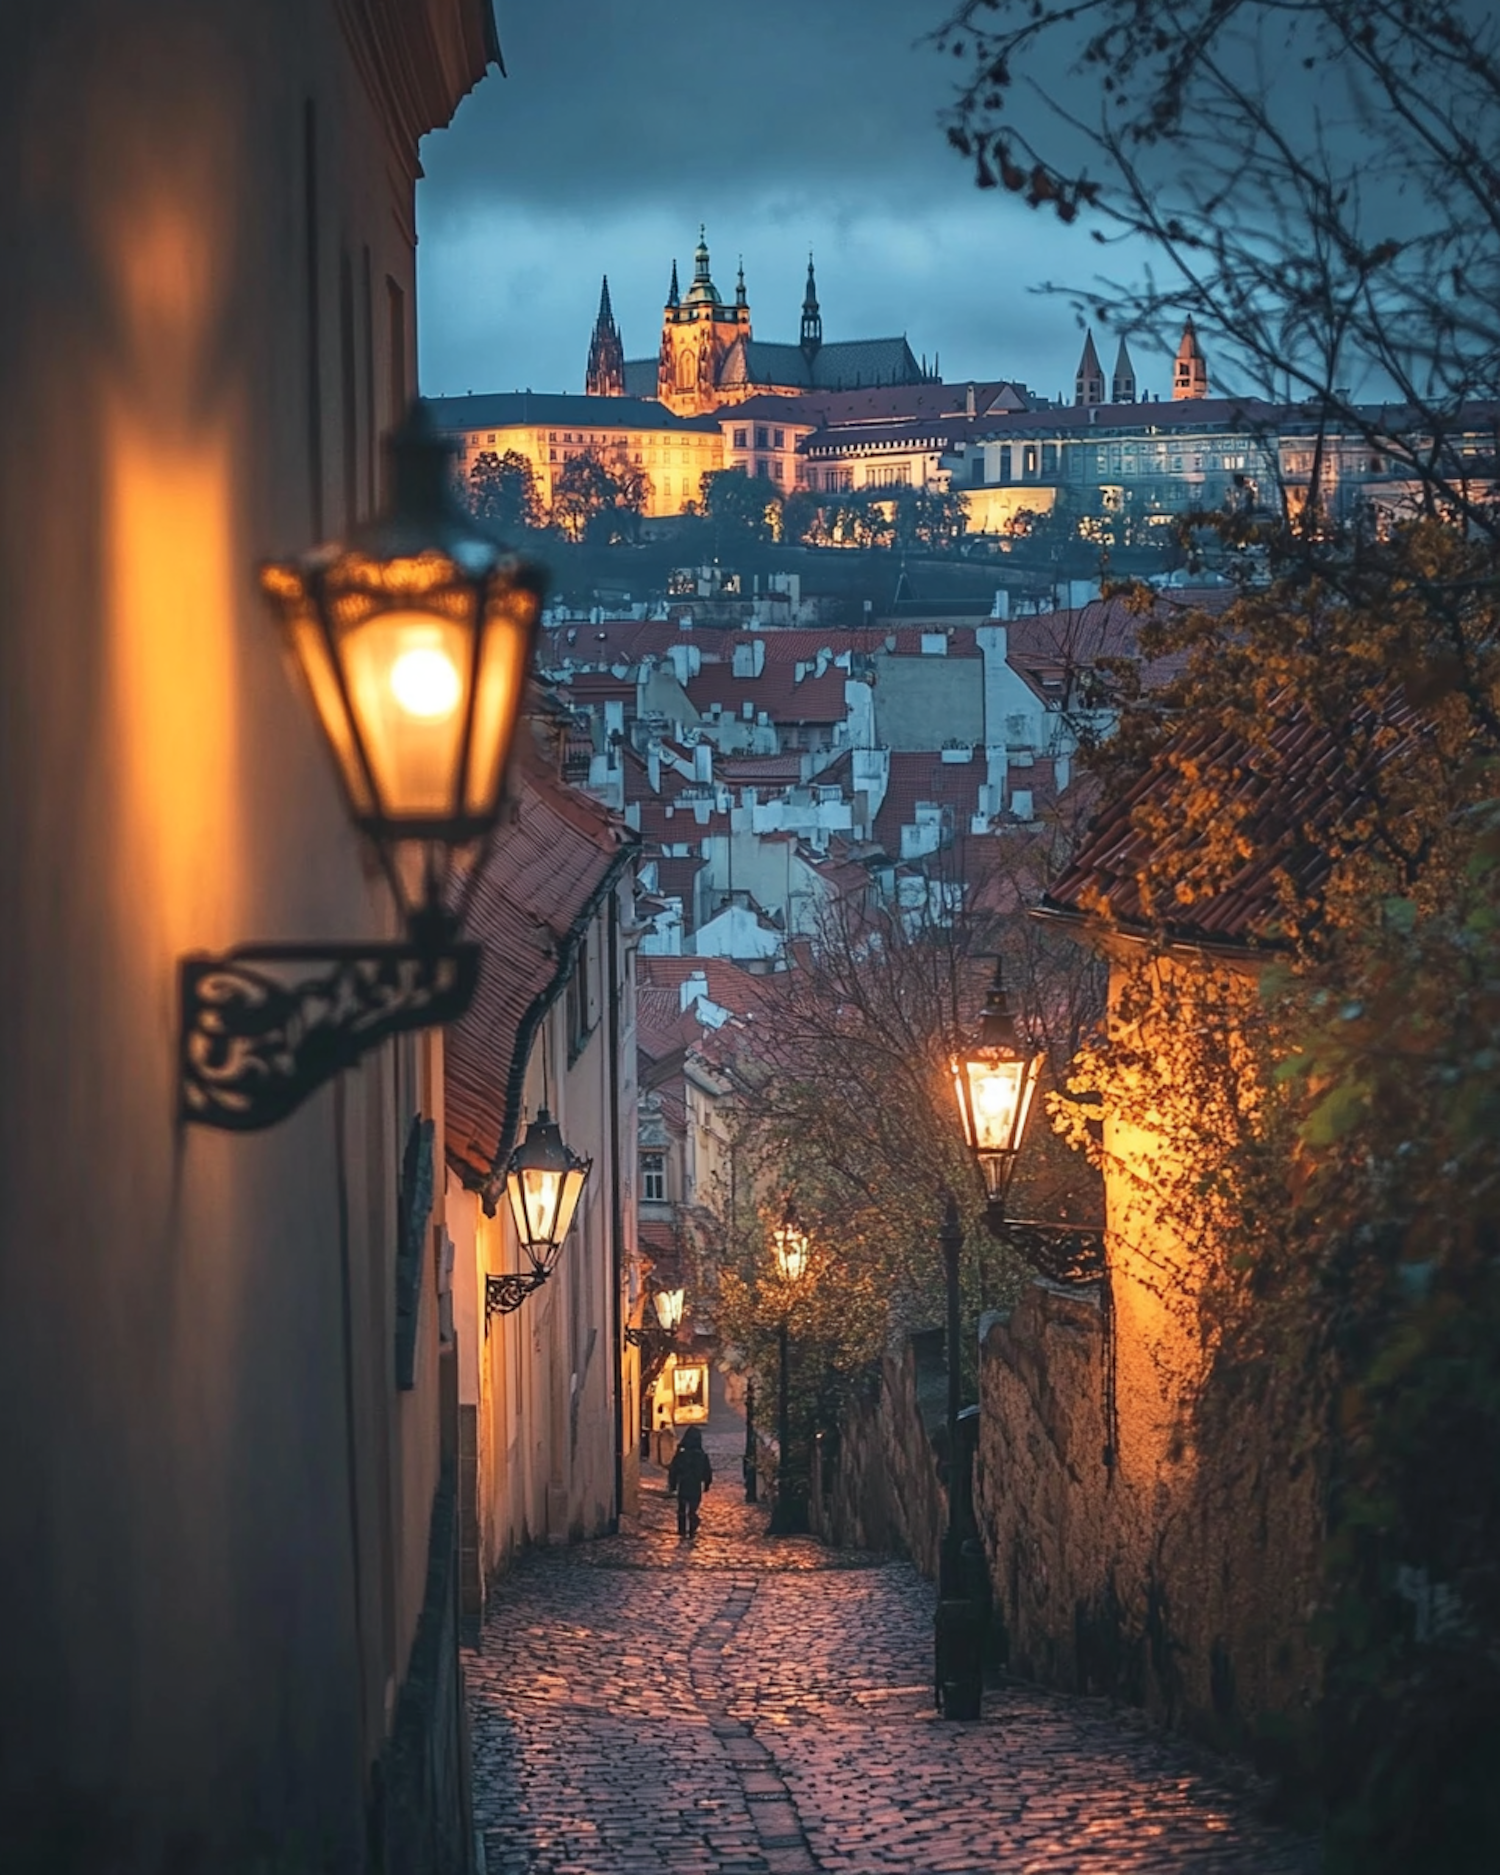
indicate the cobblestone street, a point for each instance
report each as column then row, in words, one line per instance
column 742, row 1706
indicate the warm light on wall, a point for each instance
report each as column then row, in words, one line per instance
column 414, row 641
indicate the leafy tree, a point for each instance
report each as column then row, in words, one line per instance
column 502, row 493
column 599, row 500
column 741, row 507
column 933, row 519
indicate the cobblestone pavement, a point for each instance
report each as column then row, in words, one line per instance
column 744, row 1706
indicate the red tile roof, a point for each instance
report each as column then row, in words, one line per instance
column 776, row 691
column 549, row 866
column 1297, row 793
column 728, row 986
column 926, row 777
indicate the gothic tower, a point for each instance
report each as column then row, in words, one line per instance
column 1190, row 372
column 606, row 373
column 1089, row 384
column 812, row 319
column 1122, row 382
column 697, row 331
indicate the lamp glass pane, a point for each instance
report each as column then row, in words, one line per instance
column 310, row 648
column 408, row 677
column 791, row 1251
column 669, row 1307
column 535, row 1196
column 996, row 1090
column 567, row 1203
column 504, row 662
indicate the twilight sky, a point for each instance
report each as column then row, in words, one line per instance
column 782, row 124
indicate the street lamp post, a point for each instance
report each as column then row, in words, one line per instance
column 995, row 1080
column 789, row 1242
column 751, row 1483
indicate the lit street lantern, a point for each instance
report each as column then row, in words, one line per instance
column 995, row 1079
column 669, row 1303
column 414, row 639
column 544, row 1180
column 789, row 1241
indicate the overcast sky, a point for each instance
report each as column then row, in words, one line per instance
column 782, row 125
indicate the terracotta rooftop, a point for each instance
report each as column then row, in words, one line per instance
column 1296, row 791
column 728, row 986
column 549, row 866
column 926, row 777
column 776, row 691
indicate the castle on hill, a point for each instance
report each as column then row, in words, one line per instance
column 709, row 356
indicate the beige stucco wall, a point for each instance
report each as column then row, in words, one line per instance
column 214, row 1529
column 542, row 1378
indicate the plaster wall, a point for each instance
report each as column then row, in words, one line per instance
column 923, row 702
column 214, row 1536
column 548, row 1415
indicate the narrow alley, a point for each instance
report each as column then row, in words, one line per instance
column 741, row 1705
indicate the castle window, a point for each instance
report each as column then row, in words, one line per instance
column 778, row 438
column 761, row 468
column 776, row 469
column 1030, row 462
column 654, row 1177
column 760, row 437
column 1049, row 458
column 1005, row 462
column 552, row 436
column 740, row 437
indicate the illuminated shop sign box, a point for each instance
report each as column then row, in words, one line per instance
column 689, row 1392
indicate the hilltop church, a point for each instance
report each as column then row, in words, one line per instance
column 708, row 356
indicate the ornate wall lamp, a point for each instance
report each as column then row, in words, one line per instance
column 413, row 640
column 657, row 1342
column 544, row 1180
column 995, row 1078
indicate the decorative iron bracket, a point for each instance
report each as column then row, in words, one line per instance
column 1063, row 1253
column 254, row 1045
column 655, row 1345
column 503, row 1295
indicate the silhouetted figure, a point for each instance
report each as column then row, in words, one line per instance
column 689, row 1475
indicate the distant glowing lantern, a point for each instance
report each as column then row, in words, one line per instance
column 789, row 1241
column 414, row 639
column 669, row 1308
column 996, row 1080
column 544, row 1181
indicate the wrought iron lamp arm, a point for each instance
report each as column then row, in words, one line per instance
column 254, row 1045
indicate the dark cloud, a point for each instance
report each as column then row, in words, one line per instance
column 784, row 125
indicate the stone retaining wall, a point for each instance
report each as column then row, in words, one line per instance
column 1181, row 1583
column 1185, row 1587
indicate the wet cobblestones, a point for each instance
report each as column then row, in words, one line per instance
column 741, row 1706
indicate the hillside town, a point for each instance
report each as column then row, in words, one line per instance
column 750, row 1116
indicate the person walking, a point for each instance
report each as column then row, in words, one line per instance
column 689, row 1475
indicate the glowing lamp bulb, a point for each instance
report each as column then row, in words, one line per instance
column 426, row 683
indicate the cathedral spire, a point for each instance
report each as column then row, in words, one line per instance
column 1089, row 383
column 739, row 290
column 1122, row 379
column 1190, row 372
column 812, row 319
column 606, row 368
column 703, row 291
column 674, row 296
